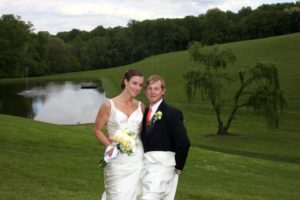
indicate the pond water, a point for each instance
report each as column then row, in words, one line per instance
column 62, row 102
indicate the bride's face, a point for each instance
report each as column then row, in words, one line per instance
column 134, row 85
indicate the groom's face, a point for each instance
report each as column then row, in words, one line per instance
column 154, row 92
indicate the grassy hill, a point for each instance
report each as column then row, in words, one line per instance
column 254, row 138
column 45, row 161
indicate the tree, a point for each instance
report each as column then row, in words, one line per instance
column 194, row 26
column 14, row 41
column 98, row 51
column 60, row 57
column 258, row 86
column 217, row 27
column 124, row 47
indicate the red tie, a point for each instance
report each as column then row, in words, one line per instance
column 148, row 116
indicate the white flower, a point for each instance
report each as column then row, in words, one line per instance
column 157, row 116
column 126, row 141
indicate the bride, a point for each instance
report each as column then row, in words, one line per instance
column 122, row 172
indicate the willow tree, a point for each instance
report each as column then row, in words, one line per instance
column 257, row 88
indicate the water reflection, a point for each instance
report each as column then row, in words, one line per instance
column 60, row 102
column 12, row 103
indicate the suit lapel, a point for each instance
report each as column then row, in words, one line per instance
column 144, row 126
column 150, row 129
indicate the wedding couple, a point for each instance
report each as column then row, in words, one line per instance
column 151, row 172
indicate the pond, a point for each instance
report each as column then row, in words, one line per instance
column 58, row 102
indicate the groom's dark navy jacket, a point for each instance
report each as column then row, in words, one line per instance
column 167, row 134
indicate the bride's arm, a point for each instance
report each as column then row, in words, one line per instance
column 100, row 123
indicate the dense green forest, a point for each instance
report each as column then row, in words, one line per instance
column 26, row 53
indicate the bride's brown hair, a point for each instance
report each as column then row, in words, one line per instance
column 129, row 74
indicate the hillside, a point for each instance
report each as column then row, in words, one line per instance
column 46, row 161
column 282, row 144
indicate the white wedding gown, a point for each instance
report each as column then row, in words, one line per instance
column 122, row 174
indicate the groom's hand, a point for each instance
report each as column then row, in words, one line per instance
column 177, row 171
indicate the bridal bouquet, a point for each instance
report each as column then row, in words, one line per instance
column 124, row 141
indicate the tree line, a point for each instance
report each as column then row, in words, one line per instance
column 25, row 53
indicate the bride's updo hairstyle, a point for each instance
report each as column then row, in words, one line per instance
column 129, row 74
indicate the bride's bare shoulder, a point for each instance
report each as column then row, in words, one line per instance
column 106, row 105
column 142, row 106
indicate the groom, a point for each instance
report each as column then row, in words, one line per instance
column 165, row 144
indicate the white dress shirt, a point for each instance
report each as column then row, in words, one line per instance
column 155, row 107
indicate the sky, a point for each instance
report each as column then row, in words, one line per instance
column 64, row 15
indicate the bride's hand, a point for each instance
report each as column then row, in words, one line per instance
column 110, row 153
column 110, row 141
column 109, row 150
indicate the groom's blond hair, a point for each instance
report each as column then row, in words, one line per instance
column 155, row 78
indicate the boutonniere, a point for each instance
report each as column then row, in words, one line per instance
column 157, row 116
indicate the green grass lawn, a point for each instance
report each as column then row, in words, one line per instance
column 213, row 175
column 45, row 161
